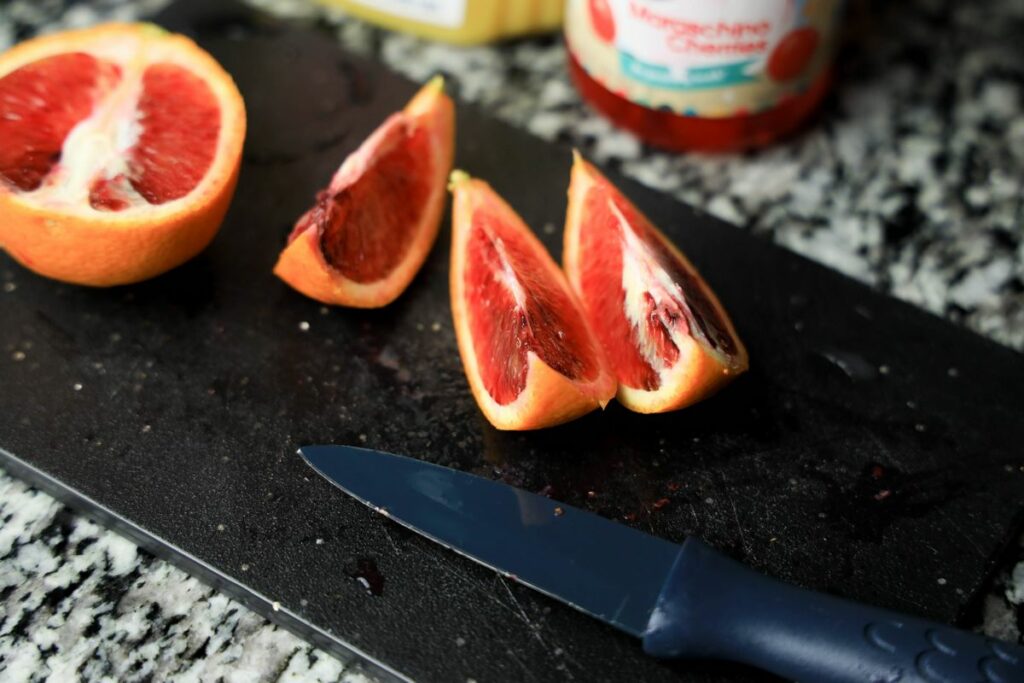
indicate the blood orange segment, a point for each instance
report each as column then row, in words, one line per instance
column 370, row 230
column 119, row 152
column 663, row 329
column 42, row 101
column 179, row 121
column 530, row 356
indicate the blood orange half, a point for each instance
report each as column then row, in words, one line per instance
column 119, row 152
column 530, row 356
column 663, row 329
column 370, row 230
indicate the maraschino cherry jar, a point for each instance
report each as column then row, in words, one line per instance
column 703, row 75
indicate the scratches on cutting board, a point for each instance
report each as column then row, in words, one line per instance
column 534, row 628
column 696, row 517
column 501, row 595
column 747, row 551
column 554, row 649
column 967, row 537
column 391, row 540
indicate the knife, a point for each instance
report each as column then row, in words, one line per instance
column 682, row 600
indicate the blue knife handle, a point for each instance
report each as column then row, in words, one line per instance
column 714, row 607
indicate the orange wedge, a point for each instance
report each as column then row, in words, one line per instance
column 530, row 357
column 370, row 230
column 663, row 329
column 119, row 152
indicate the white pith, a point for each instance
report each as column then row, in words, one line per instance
column 641, row 275
column 373, row 147
column 506, row 276
column 97, row 148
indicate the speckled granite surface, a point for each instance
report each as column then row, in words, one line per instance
column 910, row 180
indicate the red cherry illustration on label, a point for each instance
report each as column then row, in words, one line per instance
column 793, row 53
column 602, row 20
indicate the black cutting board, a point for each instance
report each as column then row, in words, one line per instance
column 872, row 451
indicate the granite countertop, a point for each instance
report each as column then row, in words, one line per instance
column 910, row 180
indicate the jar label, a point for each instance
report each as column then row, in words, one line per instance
column 700, row 58
column 446, row 13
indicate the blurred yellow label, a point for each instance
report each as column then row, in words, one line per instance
column 448, row 13
column 459, row 21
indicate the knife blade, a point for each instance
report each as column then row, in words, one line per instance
column 682, row 600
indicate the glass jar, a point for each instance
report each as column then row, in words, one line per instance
column 703, row 75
